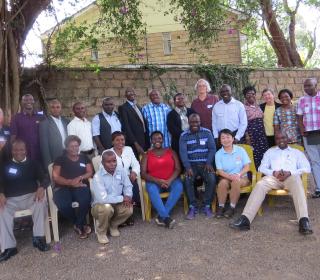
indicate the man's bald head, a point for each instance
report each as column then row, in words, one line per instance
column 109, row 161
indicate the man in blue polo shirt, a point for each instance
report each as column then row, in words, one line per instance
column 197, row 150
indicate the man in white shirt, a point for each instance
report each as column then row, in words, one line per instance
column 112, row 197
column 229, row 113
column 104, row 124
column 81, row 127
column 283, row 167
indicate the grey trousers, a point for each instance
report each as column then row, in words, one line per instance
column 23, row 202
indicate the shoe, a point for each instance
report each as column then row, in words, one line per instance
column 191, row 213
column 81, row 232
column 8, row 253
column 229, row 212
column 114, row 232
column 207, row 211
column 169, row 222
column 304, row 226
column 102, row 238
column 87, row 229
column 40, row 243
column 219, row 213
column 316, row 194
column 160, row 221
column 242, row 223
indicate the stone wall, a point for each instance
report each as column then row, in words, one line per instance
column 70, row 85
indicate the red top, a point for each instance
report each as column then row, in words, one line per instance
column 161, row 167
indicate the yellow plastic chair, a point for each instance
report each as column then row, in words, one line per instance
column 283, row 192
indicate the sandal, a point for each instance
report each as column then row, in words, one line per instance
column 87, row 229
column 81, row 233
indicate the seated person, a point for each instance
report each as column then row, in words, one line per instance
column 282, row 166
column 160, row 167
column 22, row 186
column 112, row 197
column 232, row 163
column 70, row 174
column 197, row 150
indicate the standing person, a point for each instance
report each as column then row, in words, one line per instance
column 81, row 127
column 286, row 119
column 22, row 186
column 204, row 103
column 25, row 126
column 104, row 124
column 156, row 116
column 309, row 124
column 134, row 124
column 52, row 132
column 268, row 108
column 177, row 120
column 229, row 113
column 197, row 150
column 255, row 129
column 4, row 139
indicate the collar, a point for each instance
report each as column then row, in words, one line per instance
column 24, row 160
column 109, row 116
column 78, row 119
column 183, row 110
column 105, row 172
column 54, row 118
column 224, row 151
column 288, row 148
column 132, row 103
column 156, row 105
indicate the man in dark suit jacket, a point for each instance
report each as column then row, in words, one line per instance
column 52, row 133
column 177, row 120
column 134, row 124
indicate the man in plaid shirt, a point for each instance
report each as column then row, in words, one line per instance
column 309, row 124
column 156, row 116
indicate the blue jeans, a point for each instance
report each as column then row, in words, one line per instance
column 64, row 197
column 154, row 191
column 313, row 152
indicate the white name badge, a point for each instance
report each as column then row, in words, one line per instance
column 202, row 142
column 6, row 132
column 118, row 176
column 209, row 106
column 2, row 139
column 82, row 164
column 13, row 171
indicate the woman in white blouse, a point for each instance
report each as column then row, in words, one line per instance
column 127, row 160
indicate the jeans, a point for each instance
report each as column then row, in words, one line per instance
column 313, row 152
column 154, row 191
column 64, row 197
column 209, row 181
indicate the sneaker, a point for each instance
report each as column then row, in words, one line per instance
column 207, row 211
column 316, row 194
column 192, row 213
column 102, row 238
column 39, row 242
column 160, row 221
column 219, row 213
column 114, row 232
column 169, row 222
column 229, row 212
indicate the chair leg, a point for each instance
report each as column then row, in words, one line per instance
column 270, row 201
column 55, row 225
column 95, row 225
column 185, row 203
column 214, row 205
column 143, row 211
column 260, row 211
column 147, row 206
column 47, row 231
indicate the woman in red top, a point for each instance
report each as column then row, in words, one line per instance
column 160, row 167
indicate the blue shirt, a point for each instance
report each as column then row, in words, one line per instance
column 156, row 116
column 232, row 163
column 197, row 147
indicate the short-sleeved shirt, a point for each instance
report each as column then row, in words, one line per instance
column 232, row 163
column 309, row 108
column 268, row 119
column 71, row 169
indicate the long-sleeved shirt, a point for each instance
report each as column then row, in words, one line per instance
column 288, row 159
column 198, row 147
column 110, row 188
column 230, row 115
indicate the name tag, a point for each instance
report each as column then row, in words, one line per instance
column 40, row 113
column 82, row 164
column 202, row 142
column 209, row 106
column 2, row 139
column 13, row 171
column 118, row 176
column 6, row 132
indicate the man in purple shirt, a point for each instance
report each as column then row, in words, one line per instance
column 25, row 126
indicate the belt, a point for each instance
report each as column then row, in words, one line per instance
column 89, row 152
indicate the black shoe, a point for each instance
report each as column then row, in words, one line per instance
column 316, row 194
column 40, row 243
column 169, row 222
column 160, row 221
column 229, row 212
column 219, row 212
column 242, row 223
column 304, row 226
column 8, row 253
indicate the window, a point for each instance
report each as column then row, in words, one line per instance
column 167, row 49
column 94, row 54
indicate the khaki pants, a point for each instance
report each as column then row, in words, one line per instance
column 110, row 215
column 224, row 185
column 293, row 184
column 23, row 202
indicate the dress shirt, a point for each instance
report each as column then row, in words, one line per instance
column 82, row 129
column 289, row 159
column 230, row 115
column 309, row 108
column 156, row 116
column 60, row 126
column 135, row 107
column 112, row 119
column 127, row 160
column 183, row 116
column 108, row 188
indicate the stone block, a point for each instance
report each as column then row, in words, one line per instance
column 120, row 75
column 74, row 75
column 98, row 83
column 81, row 84
column 91, row 75
column 128, row 83
column 112, row 92
column 106, row 75
column 80, row 92
column 268, row 74
column 96, row 92
column 113, row 83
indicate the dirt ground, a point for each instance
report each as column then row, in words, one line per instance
column 198, row 249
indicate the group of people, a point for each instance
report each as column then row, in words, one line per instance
column 172, row 149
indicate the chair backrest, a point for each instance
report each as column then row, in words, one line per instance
column 298, row 147
column 96, row 163
column 50, row 168
column 249, row 151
